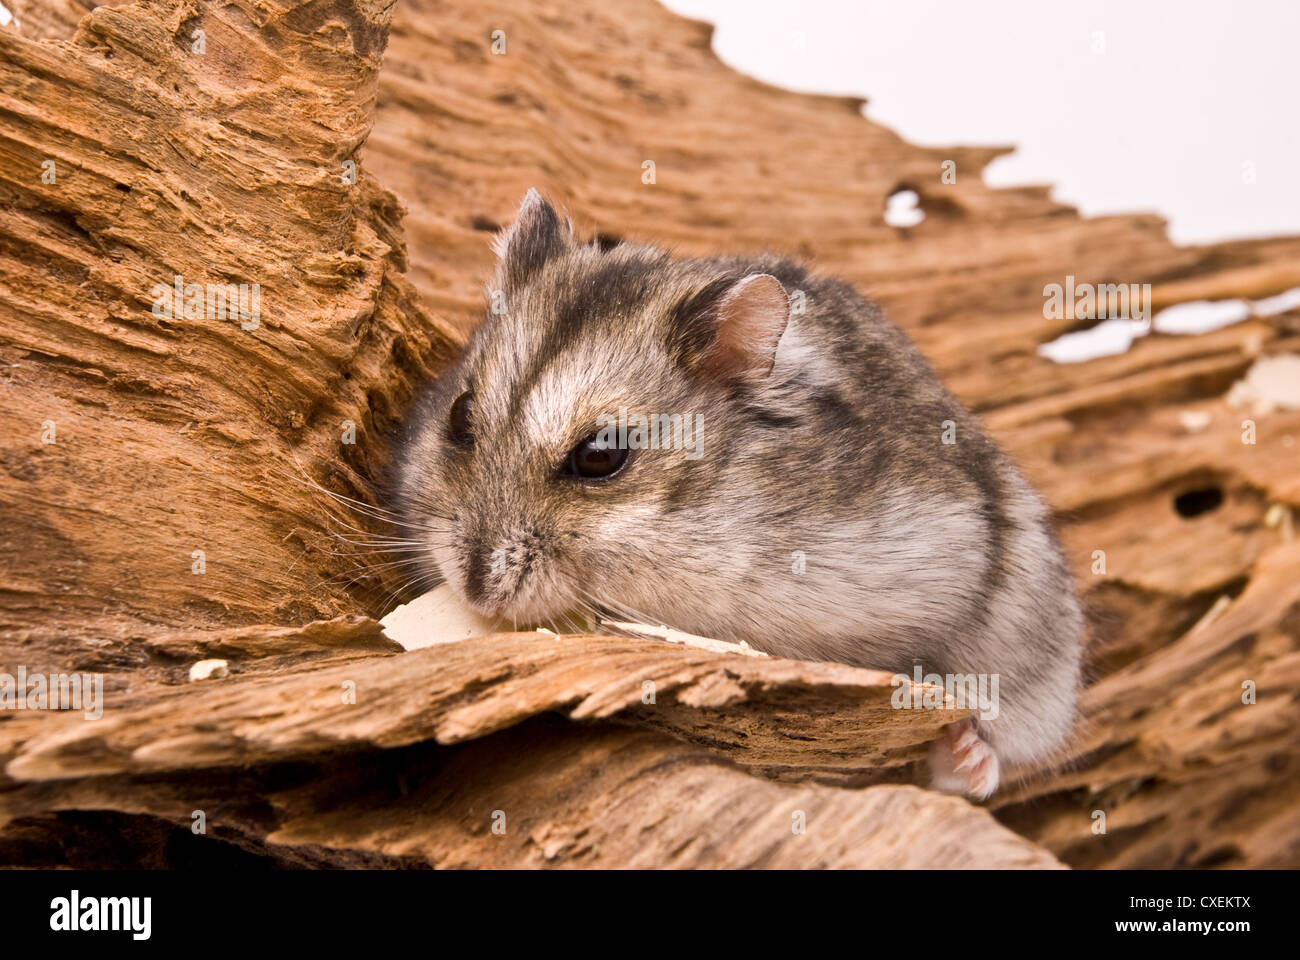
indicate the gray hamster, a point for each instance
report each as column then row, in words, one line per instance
column 819, row 494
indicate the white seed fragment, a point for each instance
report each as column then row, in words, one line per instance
column 209, row 670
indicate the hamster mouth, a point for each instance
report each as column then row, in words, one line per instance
column 518, row 584
column 528, row 614
column 522, row 603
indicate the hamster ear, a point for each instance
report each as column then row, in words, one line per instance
column 535, row 237
column 735, row 335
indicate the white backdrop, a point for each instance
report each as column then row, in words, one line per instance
column 1148, row 105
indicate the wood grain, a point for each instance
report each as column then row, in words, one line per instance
column 196, row 434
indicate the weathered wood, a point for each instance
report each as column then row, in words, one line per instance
column 781, row 717
column 196, row 434
column 560, row 795
column 189, row 433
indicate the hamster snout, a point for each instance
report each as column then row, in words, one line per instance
column 788, row 471
column 511, row 571
column 494, row 576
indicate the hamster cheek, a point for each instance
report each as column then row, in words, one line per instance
column 629, row 519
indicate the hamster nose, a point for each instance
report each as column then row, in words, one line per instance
column 495, row 571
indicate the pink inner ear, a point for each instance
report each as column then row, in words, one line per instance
column 752, row 315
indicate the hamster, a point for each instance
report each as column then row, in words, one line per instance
column 825, row 498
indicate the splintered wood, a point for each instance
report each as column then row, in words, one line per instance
column 181, row 486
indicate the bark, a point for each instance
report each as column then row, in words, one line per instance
column 183, row 434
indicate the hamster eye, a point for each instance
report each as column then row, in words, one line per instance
column 458, row 425
column 593, row 460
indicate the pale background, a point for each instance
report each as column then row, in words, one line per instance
column 1161, row 120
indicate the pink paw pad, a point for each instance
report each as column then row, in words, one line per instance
column 961, row 762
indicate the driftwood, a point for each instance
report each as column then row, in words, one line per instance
column 176, row 435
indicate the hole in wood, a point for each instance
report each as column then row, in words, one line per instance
column 903, row 208
column 1193, row 503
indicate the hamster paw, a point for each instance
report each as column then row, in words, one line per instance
column 961, row 762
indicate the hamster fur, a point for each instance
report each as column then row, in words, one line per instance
column 822, row 515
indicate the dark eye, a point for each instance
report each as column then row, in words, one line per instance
column 593, row 460
column 458, row 425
